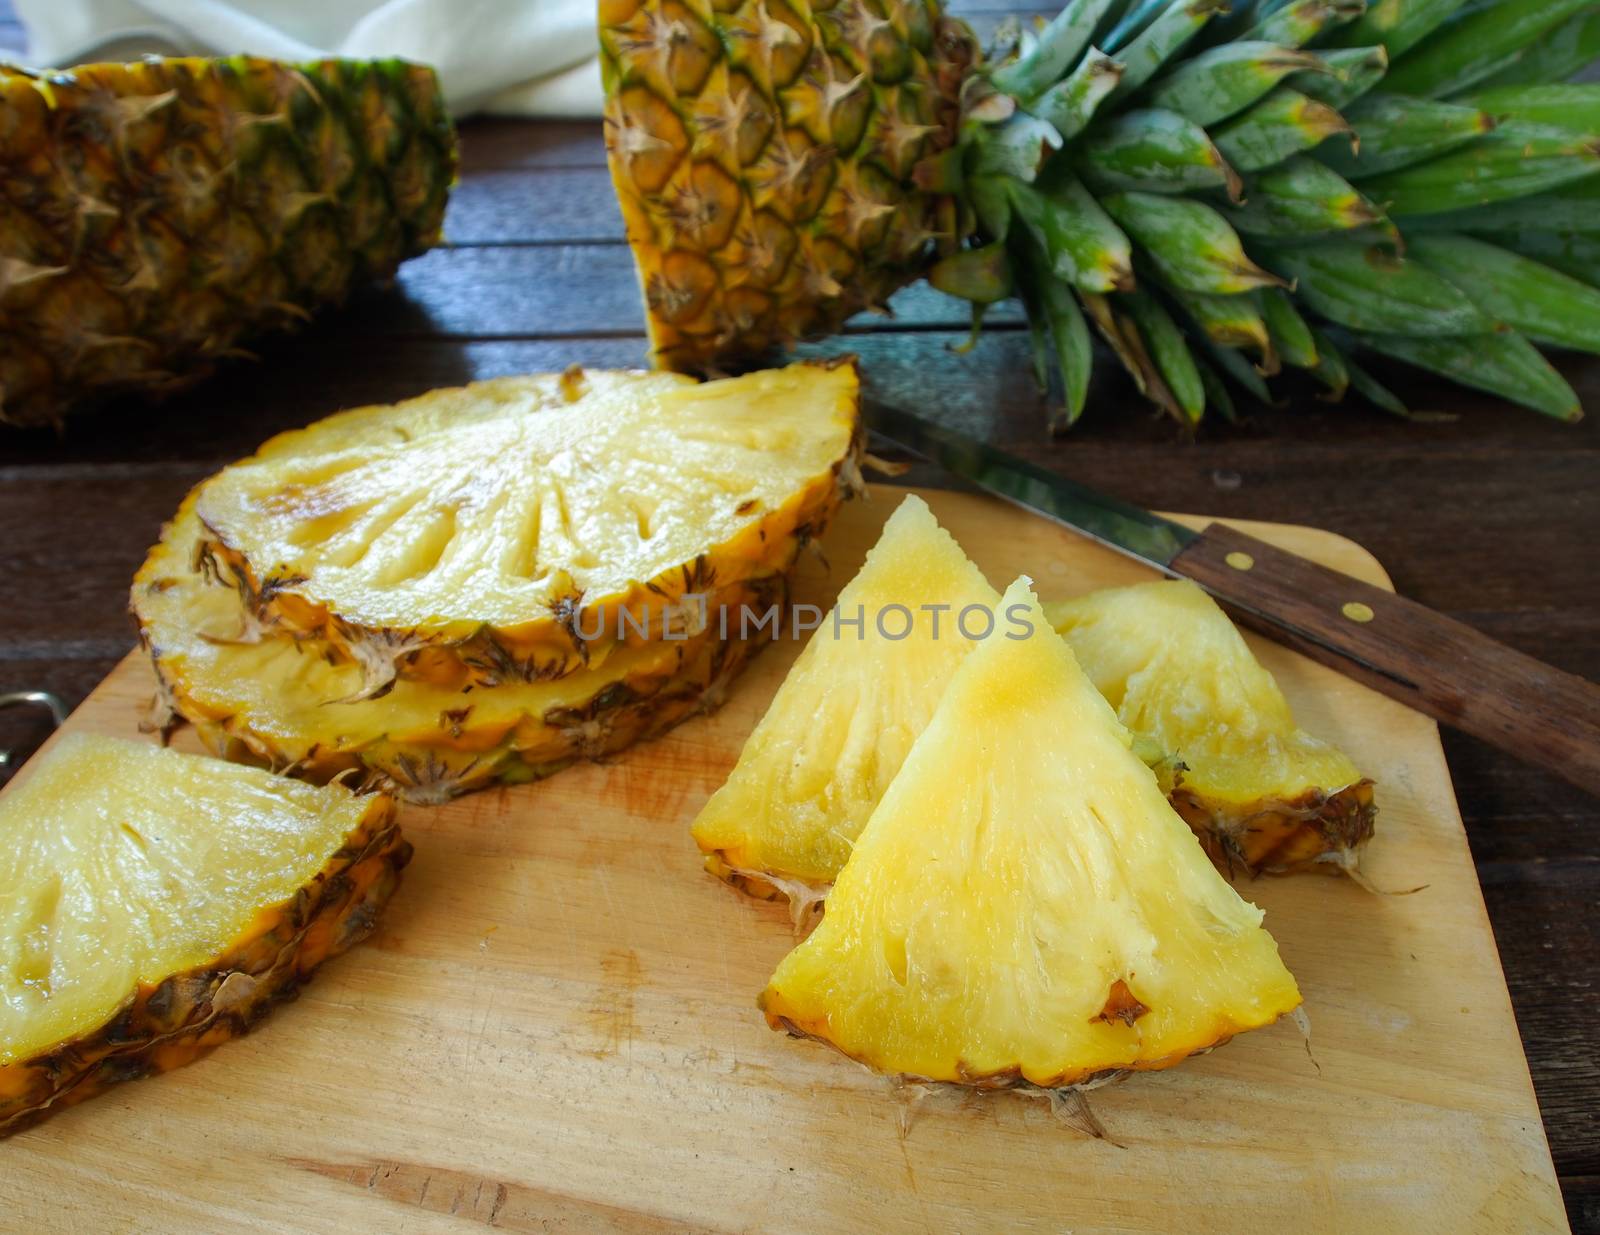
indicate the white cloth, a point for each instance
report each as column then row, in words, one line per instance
column 513, row 57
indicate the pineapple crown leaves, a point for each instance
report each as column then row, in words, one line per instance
column 1226, row 194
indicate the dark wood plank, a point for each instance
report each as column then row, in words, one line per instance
column 575, row 205
column 489, row 144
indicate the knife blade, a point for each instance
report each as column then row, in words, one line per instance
column 1429, row 662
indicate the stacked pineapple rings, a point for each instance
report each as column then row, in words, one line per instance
column 409, row 591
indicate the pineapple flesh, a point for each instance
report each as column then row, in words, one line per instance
column 156, row 904
column 158, row 215
column 1024, row 907
column 280, row 702
column 1219, row 190
column 1259, row 791
column 846, row 715
column 494, row 533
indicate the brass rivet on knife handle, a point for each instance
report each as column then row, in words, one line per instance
column 1240, row 561
column 1425, row 660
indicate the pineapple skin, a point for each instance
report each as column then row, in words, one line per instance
column 1318, row 831
column 172, row 1023
column 452, row 753
column 765, row 161
column 550, row 646
column 154, row 216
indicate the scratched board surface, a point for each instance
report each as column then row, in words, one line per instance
column 554, row 1029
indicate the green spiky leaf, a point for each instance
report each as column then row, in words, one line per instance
column 1366, row 288
column 1189, row 243
column 1546, row 305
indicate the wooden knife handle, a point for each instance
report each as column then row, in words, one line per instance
column 1425, row 660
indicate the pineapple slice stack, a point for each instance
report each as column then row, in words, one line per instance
column 157, row 904
column 487, row 584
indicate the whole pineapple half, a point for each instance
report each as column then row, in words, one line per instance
column 524, row 529
column 846, row 715
column 1221, row 194
column 1259, row 791
column 291, row 705
column 156, row 904
column 156, row 216
column 1024, row 907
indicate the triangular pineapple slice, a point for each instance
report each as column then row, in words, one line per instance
column 846, row 715
column 1024, row 905
column 507, row 523
column 1258, row 790
column 154, row 904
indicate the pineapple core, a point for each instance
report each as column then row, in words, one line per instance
column 848, row 712
column 1024, row 905
column 127, row 863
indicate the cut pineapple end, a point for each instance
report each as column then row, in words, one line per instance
column 484, row 507
column 133, row 864
column 1261, row 792
column 848, row 712
column 1023, row 905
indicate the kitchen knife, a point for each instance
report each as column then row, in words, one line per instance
column 1425, row 660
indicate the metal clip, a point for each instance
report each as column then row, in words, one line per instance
column 35, row 698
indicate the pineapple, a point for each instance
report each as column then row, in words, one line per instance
column 156, row 904
column 493, row 533
column 845, row 717
column 1220, row 193
column 1260, row 792
column 289, row 705
column 1024, row 907
column 155, row 216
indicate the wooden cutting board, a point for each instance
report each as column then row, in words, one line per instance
column 555, row 1029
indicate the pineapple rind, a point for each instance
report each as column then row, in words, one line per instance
column 168, row 1023
column 1260, row 792
column 276, row 703
column 163, row 212
column 765, row 160
column 483, row 623
column 845, row 717
column 1022, row 870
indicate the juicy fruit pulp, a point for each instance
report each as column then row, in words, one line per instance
column 159, row 214
column 1024, row 906
column 1259, row 791
column 1220, row 193
column 848, row 712
column 511, row 521
column 159, row 902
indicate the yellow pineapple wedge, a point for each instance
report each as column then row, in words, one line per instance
column 1260, row 792
column 286, row 704
column 155, row 904
column 847, row 714
column 1024, row 907
column 492, row 533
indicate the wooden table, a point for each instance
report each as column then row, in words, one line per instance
column 1491, row 518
